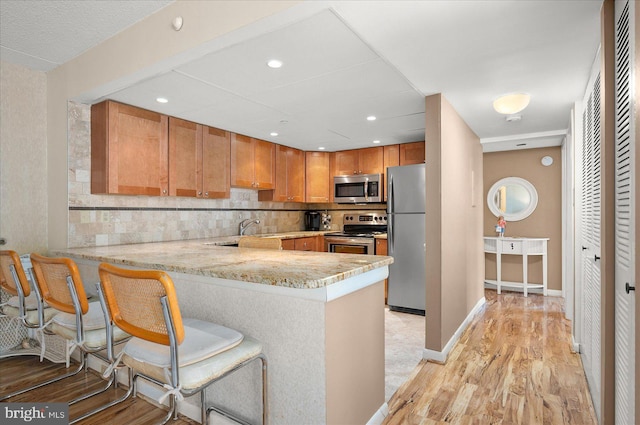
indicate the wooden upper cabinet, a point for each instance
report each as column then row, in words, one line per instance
column 289, row 178
column 129, row 150
column 371, row 160
column 198, row 160
column 216, row 163
column 318, row 179
column 185, row 157
column 358, row 161
column 412, row 153
column 346, row 162
column 295, row 175
column 391, row 156
column 253, row 163
column 265, row 164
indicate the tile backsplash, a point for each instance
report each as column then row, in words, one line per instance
column 96, row 220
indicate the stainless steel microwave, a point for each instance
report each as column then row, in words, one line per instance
column 358, row 189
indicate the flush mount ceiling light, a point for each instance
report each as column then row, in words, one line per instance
column 376, row 141
column 511, row 103
column 274, row 63
column 273, row 133
column 162, row 100
column 321, row 148
column 371, row 118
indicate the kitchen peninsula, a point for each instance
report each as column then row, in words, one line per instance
column 320, row 317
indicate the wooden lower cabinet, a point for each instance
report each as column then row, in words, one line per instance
column 309, row 243
column 381, row 249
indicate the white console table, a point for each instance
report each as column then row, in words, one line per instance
column 517, row 246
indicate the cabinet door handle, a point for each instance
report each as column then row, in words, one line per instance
column 629, row 288
column 199, row 193
column 164, row 191
column 206, row 194
column 3, row 241
column 596, row 258
column 584, row 248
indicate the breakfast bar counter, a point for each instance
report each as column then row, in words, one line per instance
column 320, row 317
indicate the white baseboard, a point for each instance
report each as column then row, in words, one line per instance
column 550, row 292
column 441, row 356
column 380, row 415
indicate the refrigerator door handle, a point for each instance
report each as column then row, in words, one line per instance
column 390, row 194
column 390, row 234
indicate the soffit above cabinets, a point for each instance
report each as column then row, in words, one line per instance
column 329, row 83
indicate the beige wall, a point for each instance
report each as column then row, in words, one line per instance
column 455, row 268
column 545, row 221
column 23, row 154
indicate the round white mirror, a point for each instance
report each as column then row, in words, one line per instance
column 512, row 197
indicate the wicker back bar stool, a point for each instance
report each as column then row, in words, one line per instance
column 184, row 355
column 83, row 324
column 24, row 305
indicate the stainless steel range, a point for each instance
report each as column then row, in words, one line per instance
column 358, row 234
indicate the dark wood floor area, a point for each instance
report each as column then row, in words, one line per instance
column 513, row 365
column 19, row 372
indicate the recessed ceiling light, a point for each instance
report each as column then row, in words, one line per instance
column 321, row 148
column 376, row 141
column 511, row 103
column 162, row 100
column 274, row 63
column 371, row 118
column 273, row 133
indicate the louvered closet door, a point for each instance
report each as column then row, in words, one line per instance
column 624, row 221
column 590, row 242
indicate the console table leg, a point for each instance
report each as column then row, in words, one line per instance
column 525, row 263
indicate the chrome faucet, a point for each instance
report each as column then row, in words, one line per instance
column 246, row 223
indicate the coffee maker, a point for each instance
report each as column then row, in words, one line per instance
column 312, row 220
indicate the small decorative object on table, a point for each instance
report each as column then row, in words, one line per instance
column 501, row 226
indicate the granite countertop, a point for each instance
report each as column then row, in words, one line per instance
column 209, row 257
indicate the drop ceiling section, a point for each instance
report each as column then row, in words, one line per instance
column 329, row 83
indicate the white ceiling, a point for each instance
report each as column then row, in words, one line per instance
column 343, row 61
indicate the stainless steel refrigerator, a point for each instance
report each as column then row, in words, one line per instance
column 406, row 203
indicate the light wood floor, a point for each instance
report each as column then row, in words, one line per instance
column 513, row 365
